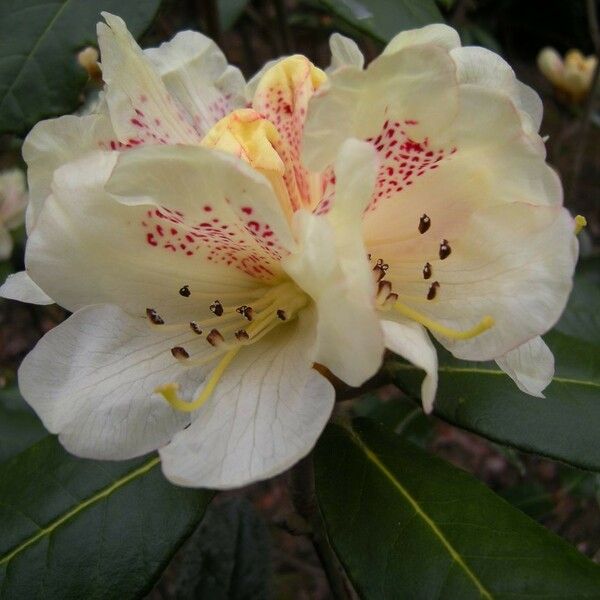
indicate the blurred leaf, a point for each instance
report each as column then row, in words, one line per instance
column 531, row 498
column 383, row 19
column 6, row 269
column 39, row 41
column 401, row 415
column 474, row 35
column 408, row 525
column 581, row 318
column 230, row 11
column 74, row 528
column 19, row 426
column 479, row 397
column 227, row 558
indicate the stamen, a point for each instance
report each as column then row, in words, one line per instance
column 241, row 335
column 185, row 291
column 448, row 332
column 384, row 288
column 433, row 290
column 427, row 271
column 445, row 249
column 580, row 223
column 424, row 223
column 378, row 273
column 246, row 311
column 390, row 300
column 154, row 317
column 180, row 353
column 195, row 327
column 281, row 314
column 169, row 391
column 216, row 308
column 214, row 337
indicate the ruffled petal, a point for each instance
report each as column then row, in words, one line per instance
column 410, row 341
column 436, row 34
column 138, row 251
column 530, row 366
column 344, row 52
column 91, row 380
column 196, row 73
column 512, row 262
column 142, row 110
column 332, row 267
column 266, row 414
column 19, row 286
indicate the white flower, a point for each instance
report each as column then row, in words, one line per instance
column 13, row 201
column 208, row 268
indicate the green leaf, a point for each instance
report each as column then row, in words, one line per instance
column 479, row 397
column 74, row 528
column 228, row 556
column 19, row 427
column 408, row 525
column 383, row 19
column 581, row 318
column 230, row 11
column 39, row 41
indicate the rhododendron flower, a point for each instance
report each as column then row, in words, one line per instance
column 215, row 241
column 13, row 201
column 571, row 77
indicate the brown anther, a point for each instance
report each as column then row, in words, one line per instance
column 179, row 353
column 445, row 249
column 242, row 335
column 427, row 271
column 281, row 314
column 378, row 273
column 217, row 308
column 424, row 223
column 185, row 291
column 246, row 311
column 383, row 288
column 432, row 290
column 369, row 256
column 195, row 327
column 391, row 299
column 214, row 338
column 154, row 317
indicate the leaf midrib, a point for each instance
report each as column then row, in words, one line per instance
column 29, row 55
column 454, row 554
column 101, row 494
column 492, row 372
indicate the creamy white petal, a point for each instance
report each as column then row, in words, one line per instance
column 89, row 247
column 53, row 143
column 480, row 66
column 195, row 71
column 436, row 34
column 344, row 52
column 142, row 110
column 407, row 87
column 410, row 341
column 349, row 338
column 513, row 262
column 530, row 365
column 91, row 380
column 266, row 414
column 19, row 286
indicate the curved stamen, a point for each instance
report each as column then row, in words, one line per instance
column 453, row 334
column 580, row 223
column 169, row 391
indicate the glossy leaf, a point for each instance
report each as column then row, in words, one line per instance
column 19, row 426
column 227, row 557
column 408, row 525
column 74, row 528
column 383, row 19
column 230, row 11
column 481, row 398
column 39, row 41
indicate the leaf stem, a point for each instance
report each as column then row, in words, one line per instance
column 302, row 492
